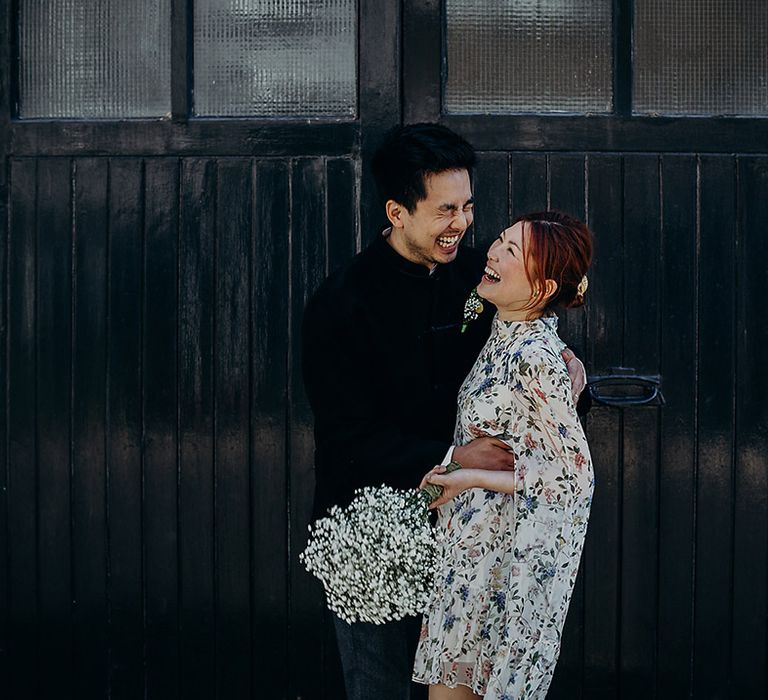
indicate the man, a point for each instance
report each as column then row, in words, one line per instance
column 384, row 357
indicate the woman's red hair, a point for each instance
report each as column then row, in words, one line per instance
column 558, row 247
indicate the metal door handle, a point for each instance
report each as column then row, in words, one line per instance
column 625, row 389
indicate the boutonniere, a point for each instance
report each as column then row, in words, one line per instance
column 473, row 307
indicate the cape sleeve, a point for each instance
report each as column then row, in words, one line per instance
column 551, row 501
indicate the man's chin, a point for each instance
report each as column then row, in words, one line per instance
column 446, row 256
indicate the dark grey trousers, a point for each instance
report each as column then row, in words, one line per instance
column 377, row 660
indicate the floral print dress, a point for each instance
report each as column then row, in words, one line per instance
column 507, row 563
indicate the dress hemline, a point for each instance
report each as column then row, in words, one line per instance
column 424, row 681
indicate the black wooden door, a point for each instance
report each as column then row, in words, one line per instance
column 157, row 455
column 671, row 599
column 157, row 474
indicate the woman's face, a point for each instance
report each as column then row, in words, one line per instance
column 505, row 282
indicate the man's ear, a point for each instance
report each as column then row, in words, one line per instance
column 395, row 213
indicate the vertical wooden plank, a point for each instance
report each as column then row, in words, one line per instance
column 308, row 264
column 160, row 427
column 269, row 429
column 196, row 416
column 181, row 63
column 124, row 443
column 716, row 369
column 678, row 442
column 89, row 508
column 750, row 536
column 341, row 215
column 528, row 183
column 342, row 203
column 380, row 100
column 566, row 183
column 601, row 552
column 422, row 73
column 54, row 367
column 21, row 398
column 232, row 387
column 5, row 671
column 567, row 192
column 642, row 224
column 490, row 187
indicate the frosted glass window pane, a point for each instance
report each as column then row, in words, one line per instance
column 275, row 57
column 87, row 59
column 529, row 56
column 701, row 57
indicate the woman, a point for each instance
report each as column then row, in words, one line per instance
column 511, row 541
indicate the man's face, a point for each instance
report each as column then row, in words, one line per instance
column 432, row 232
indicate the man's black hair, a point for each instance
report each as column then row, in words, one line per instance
column 410, row 153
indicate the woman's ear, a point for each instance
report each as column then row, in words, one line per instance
column 395, row 213
column 550, row 289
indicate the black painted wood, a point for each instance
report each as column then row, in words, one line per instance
column 380, row 93
column 677, row 508
column 160, row 137
column 528, row 183
column 21, row 400
column 602, row 556
column 121, row 263
column 90, row 431
column 234, row 199
column 622, row 56
column 160, row 465
column 342, row 241
column 715, row 425
column 309, row 261
column 490, row 187
column 612, row 133
column 181, row 65
column 197, row 466
column 639, row 534
column 4, row 519
column 422, row 74
column 750, row 540
column 343, row 210
column 57, row 604
column 269, row 295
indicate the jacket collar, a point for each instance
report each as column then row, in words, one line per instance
column 392, row 258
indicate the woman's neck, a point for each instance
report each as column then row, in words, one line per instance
column 519, row 314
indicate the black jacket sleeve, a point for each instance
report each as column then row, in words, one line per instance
column 355, row 438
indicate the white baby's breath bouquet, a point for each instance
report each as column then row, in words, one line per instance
column 375, row 558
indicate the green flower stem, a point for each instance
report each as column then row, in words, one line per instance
column 433, row 491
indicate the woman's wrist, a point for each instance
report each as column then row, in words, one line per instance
column 502, row 481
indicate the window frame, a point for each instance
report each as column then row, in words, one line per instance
column 183, row 133
column 399, row 78
column 621, row 130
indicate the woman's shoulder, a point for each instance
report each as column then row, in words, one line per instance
column 541, row 344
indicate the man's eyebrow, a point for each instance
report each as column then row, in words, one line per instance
column 448, row 206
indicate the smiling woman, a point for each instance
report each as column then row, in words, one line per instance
column 530, row 270
column 511, row 541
